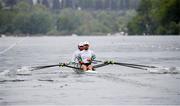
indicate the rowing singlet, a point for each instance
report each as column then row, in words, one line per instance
column 85, row 55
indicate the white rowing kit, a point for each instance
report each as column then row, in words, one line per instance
column 85, row 55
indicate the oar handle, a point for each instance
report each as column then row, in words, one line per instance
column 139, row 65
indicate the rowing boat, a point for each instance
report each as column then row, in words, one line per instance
column 77, row 69
column 85, row 72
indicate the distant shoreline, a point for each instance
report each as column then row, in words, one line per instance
column 46, row 35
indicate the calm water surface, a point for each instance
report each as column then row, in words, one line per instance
column 112, row 85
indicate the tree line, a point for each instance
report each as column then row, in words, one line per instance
column 156, row 17
column 24, row 18
column 152, row 17
column 84, row 4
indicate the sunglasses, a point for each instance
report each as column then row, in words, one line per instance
column 86, row 45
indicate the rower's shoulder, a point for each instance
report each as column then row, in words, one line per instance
column 91, row 51
column 81, row 52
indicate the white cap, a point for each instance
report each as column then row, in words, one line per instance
column 81, row 44
column 86, row 43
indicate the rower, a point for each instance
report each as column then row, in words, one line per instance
column 86, row 57
column 76, row 53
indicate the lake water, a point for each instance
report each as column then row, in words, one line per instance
column 112, row 85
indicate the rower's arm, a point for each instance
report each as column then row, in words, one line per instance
column 80, row 60
column 74, row 58
column 93, row 56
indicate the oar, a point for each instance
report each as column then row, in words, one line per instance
column 42, row 67
column 128, row 64
column 105, row 64
column 72, row 67
column 138, row 65
column 100, row 65
column 49, row 66
column 131, row 66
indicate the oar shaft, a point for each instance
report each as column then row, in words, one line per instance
column 100, row 65
column 125, row 65
column 140, row 65
column 131, row 66
column 47, row 66
column 60, row 65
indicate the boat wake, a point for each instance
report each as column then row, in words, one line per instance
column 4, row 73
column 165, row 70
column 24, row 70
column 10, row 76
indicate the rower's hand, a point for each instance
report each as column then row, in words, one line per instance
column 81, row 62
column 89, row 59
column 108, row 62
column 62, row 64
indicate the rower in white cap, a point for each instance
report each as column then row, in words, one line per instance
column 77, row 52
column 86, row 57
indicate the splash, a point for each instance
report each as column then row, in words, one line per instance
column 165, row 70
column 4, row 73
column 25, row 70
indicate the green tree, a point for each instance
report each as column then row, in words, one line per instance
column 23, row 6
column 156, row 17
column 21, row 21
column 6, row 20
column 68, row 21
column 39, row 23
column 169, row 16
column 1, row 5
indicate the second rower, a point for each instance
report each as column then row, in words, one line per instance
column 75, row 57
column 86, row 57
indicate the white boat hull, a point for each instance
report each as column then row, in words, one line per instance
column 83, row 72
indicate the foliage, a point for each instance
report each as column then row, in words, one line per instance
column 24, row 18
column 6, row 24
column 68, row 21
column 156, row 17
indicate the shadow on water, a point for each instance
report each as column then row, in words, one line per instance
column 13, row 80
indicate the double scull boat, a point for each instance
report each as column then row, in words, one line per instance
column 77, row 69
